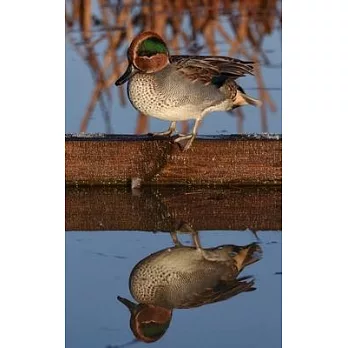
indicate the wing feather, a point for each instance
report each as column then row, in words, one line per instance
column 208, row 68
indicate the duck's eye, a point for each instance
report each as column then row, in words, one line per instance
column 151, row 46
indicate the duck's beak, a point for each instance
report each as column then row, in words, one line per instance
column 129, row 304
column 126, row 76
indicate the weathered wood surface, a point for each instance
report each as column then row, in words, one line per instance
column 160, row 209
column 221, row 160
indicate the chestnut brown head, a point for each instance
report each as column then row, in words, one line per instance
column 148, row 53
column 147, row 322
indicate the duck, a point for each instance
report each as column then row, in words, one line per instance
column 182, row 87
column 183, row 277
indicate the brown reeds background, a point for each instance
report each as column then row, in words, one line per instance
column 101, row 38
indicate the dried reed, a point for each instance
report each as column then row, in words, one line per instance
column 249, row 22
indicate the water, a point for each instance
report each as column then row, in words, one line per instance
column 98, row 265
column 265, row 29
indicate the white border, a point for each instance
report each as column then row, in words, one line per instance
column 314, row 173
column 32, row 174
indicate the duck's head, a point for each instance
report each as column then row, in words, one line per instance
column 147, row 53
column 148, row 323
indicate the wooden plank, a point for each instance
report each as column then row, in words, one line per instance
column 222, row 160
column 115, row 208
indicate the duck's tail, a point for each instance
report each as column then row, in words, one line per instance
column 247, row 255
column 243, row 99
column 251, row 101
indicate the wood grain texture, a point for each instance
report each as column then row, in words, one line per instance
column 101, row 208
column 223, row 160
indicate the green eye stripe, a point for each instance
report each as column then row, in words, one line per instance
column 155, row 329
column 151, row 46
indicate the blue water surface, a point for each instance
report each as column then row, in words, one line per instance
column 98, row 265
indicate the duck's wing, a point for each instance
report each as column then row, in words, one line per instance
column 221, row 292
column 209, row 69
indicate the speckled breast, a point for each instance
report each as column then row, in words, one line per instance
column 168, row 277
column 163, row 97
column 145, row 96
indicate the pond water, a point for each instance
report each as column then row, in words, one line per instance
column 263, row 44
column 98, row 267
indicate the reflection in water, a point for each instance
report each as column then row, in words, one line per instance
column 185, row 277
column 159, row 208
column 101, row 30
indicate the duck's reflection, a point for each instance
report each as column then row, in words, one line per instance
column 185, row 277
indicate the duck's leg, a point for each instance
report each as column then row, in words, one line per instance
column 196, row 241
column 174, row 235
column 185, row 227
column 190, row 137
column 169, row 131
column 180, row 226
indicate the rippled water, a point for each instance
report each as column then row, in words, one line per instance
column 123, row 119
column 98, row 266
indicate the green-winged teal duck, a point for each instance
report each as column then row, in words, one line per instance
column 182, row 87
column 185, row 277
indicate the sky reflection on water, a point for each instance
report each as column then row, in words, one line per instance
column 98, row 265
